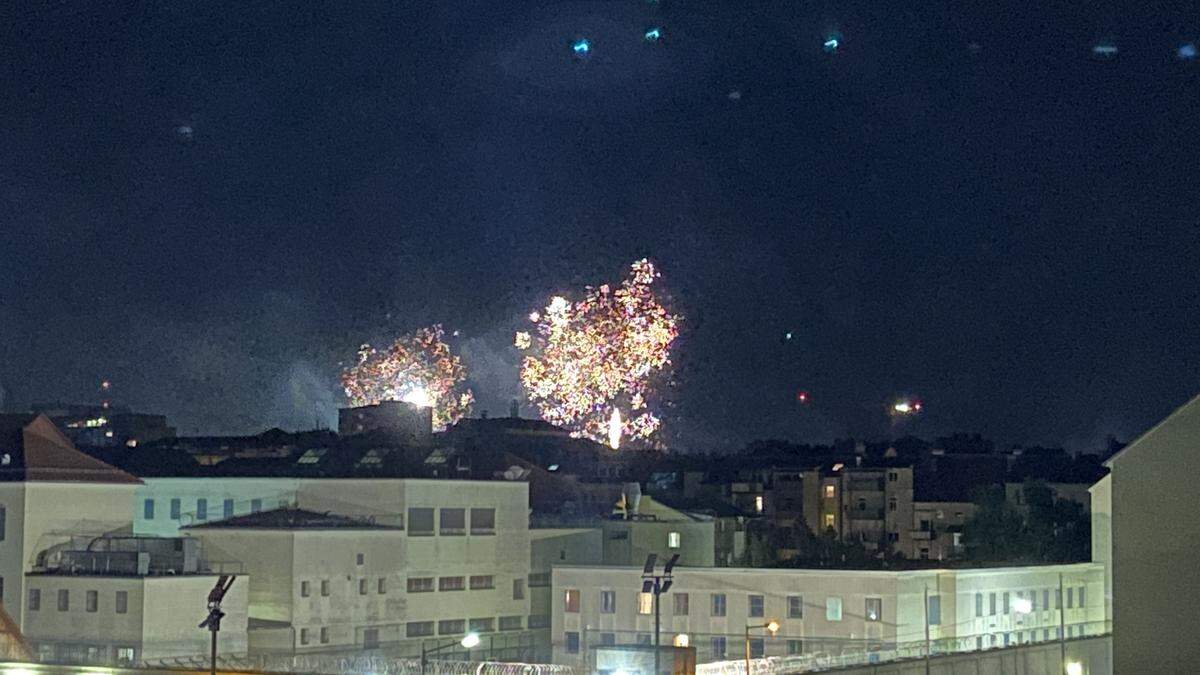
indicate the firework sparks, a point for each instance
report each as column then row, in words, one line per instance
column 592, row 358
column 417, row 368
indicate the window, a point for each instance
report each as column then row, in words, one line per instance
column 645, row 603
column 862, row 504
column 255, row 505
column 758, row 504
column 482, row 582
column 893, row 477
column 64, row 600
column 35, row 599
column 924, row 525
column 924, row 553
column 175, row 509
column 366, row 642
column 92, row 601
column 1046, row 598
column 304, row 591
column 451, row 584
column 539, row 579
column 755, row 603
column 201, row 509
column 1005, row 605
column 571, row 601
column 608, row 639
column 608, row 602
column 1081, row 595
column 795, row 647
column 680, row 601
column 873, row 609
column 718, row 604
column 833, row 608
column 483, row 521
column 362, row 586
column 324, row 588
column 979, row 604
column 452, row 522
column 148, row 509
column 452, row 627
column 795, row 606
column 518, row 589
column 829, row 491
column 1058, row 599
column 829, row 520
column 991, row 604
column 418, row 628
column 673, row 540
column 1070, row 597
column 572, row 642
column 510, row 623
column 757, row 648
column 934, row 611
column 1033, row 597
column 539, row 621
column 893, row 537
column 122, row 602
column 892, row 503
column 303, row 636
column 381, row 585
column 227, row 508
column 126, row 656
column 716, row 646
column 487, row 625
column 358, row 558
column 420, row 522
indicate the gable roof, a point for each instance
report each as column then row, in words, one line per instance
column 32, row 449
column 1181, row 426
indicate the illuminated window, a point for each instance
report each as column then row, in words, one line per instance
column 571, row 601
column 874, row 609
column 833, row 608
column 645, row 603
column 673, row 540
column 829, row 491
column 758, row 504
column 828, row 520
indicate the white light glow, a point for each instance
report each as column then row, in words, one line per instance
column 1022, row 605
column 418, row 396
column 614, row 430
column 682, row 640
column 1074, row 668
column 470, row 640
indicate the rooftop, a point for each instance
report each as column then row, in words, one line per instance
column 33, row 449
column 290, row 518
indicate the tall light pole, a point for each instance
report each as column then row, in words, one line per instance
column 469, row 640
column 213, row 621
column 771, row 626
column 657, row 584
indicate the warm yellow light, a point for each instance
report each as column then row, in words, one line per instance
column 682, row 640
column 773, row 627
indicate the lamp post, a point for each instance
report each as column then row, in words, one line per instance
column 657, row 584
column 469, row 640
column 771, row 626
column 213, row 621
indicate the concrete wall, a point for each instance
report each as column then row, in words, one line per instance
column 271, row 491
column 1102, row 552
column 1094, row 655
column 550, row 547
column 267, row 556
column 628, row 542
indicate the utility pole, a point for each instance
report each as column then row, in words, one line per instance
column 213, row 621
column 657, row 584
column 1062, row 625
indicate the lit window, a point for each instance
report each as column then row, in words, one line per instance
column 758, row 504
column 829, row 490
column 571, row 601
column 828, row 520
column 673, row 540
column 125, row 656
column 645, row 603
column 874, row 609
column 833, row 608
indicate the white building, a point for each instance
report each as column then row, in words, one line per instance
column 825, row 611
column 454, row 557
column 1145, row 533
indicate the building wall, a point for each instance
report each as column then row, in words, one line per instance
column 160, row 620
column 901, row 597
column 944, row 519
column 1155, row 546
column 629, row 542
column 1102, row 553
column 243, row 491
column 550, row 547
column 267, row 556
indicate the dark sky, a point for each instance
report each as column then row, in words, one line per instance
column 1008, row 231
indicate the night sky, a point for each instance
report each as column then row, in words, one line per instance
column 962, row 204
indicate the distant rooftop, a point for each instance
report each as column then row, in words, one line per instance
column 290, row 518
column 32, row 448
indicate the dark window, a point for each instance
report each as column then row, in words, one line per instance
column 510, row 623
column 122, row 602
column 483, row 521
column 358, row 559
column 420, row 585
column 92, row 600
column 483, row 625
column 325, row 587
column 451, row 584
column 255, row 505
column 453, row 522
column 304, row 592
column 718, row 604
column 756, row 605
column 201, row 509
column 452, row 627
column 64, row 600
column 608, row 639
column 175, row 509
column 381, row 588
column 303, row 636
column 795, row 606
column 717, row 647
column 148, row 509
column 608, row 602
column 518, row 589
column 757, row 648
column 362, row 586
column 419, row 628
column 482, row 582
column 539, row 579
column 35, row 599
column 572, row 642
column 370, row 637
column 539, row 621
column 227, row 508
column 681, row 604
column 420, row 522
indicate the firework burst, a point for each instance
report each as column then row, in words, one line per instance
column 592, row 364
column 419, row 368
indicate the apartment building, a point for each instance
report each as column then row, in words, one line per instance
column 824, row 611
column 454, row 557
column 871, row 505
column 121, row 601
column 937, row 529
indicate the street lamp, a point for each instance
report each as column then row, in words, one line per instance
column 771, row 626
column 467, row 642
column 657, row 584
column 213, row 621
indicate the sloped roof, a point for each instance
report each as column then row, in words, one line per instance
column 33, row 449
column 1181, row 428
column 290, row 518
